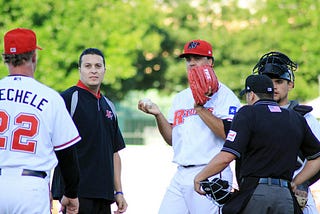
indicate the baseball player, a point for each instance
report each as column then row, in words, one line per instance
column 268, row 146
column 196, row 133
column 35, row 132
column 280, row 69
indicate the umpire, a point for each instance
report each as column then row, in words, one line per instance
column 267, row 145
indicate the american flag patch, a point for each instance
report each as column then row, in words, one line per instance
column 231, row 135
column 274, row 108
column 232, row 110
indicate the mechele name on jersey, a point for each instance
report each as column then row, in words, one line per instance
column 22, row 96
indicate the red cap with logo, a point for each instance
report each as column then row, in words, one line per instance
column 20, row 40
column 197, row 47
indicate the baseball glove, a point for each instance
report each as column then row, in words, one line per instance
column 217, row 189
column 203, row 83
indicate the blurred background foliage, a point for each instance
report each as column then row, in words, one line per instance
column 143, row 38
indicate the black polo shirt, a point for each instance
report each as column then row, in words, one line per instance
column 101, row 138
column 266, row 139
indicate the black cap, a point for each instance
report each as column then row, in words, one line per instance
column 258, row 84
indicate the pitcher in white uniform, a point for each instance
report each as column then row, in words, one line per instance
column 196, row 134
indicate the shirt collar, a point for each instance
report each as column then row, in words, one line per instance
column 83, row 86
column 266, row 102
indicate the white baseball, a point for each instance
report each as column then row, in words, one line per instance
column 147, row 102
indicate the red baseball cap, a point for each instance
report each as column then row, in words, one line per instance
column 20, row 40
column 197, row 47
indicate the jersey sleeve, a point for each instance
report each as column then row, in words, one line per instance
column 313, row 124
column 120, row 144
column 311, row 145
column 239, row 134
column 226, row 104
column 65, row 133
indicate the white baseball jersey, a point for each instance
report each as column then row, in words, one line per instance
column 314, row 125
column 33, row 122
column 192, row 140
column 195, row 144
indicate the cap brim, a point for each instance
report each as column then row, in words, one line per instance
column 243, row 92
column 186, row 54
column 182, row 55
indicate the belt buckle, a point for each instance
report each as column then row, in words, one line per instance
column 278, row 182
column 275, row 181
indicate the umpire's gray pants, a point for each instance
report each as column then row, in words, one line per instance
column 268, row 199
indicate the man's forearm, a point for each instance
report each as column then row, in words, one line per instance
column 165, row 128
column 214, row 123
column 69, row 166
column 310, row 169
column 117, row 172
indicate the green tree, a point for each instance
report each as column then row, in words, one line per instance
column 143, row 39
column 123, row 30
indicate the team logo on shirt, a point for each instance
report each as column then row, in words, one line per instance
column 232, row 110
column 109, row 114
column 181, row 114
column 231, row 135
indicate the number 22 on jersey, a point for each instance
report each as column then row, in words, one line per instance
column 27, row 126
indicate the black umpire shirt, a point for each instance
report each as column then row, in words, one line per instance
column 100, row 139
column 267, row 138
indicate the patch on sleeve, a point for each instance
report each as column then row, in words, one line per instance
column 231, row 135
column 274, row 108
column 232, row 110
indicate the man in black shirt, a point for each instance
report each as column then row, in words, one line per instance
column 95, row 118
column 280, row 68
column 267, row 145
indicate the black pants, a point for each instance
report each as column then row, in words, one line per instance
column 94, row 206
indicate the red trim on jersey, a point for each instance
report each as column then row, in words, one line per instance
column 69, row 142
column 83, row 86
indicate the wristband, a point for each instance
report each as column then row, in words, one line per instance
column 121, row 193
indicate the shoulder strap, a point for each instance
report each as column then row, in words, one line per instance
column 113, row 108
column 74, row 102
column 302, row 109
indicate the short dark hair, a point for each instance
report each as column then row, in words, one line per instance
column 17, row 59
column 93, row 51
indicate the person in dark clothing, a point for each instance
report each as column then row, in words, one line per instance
column 280, row 68
column 267, row 145
column 99, row 160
